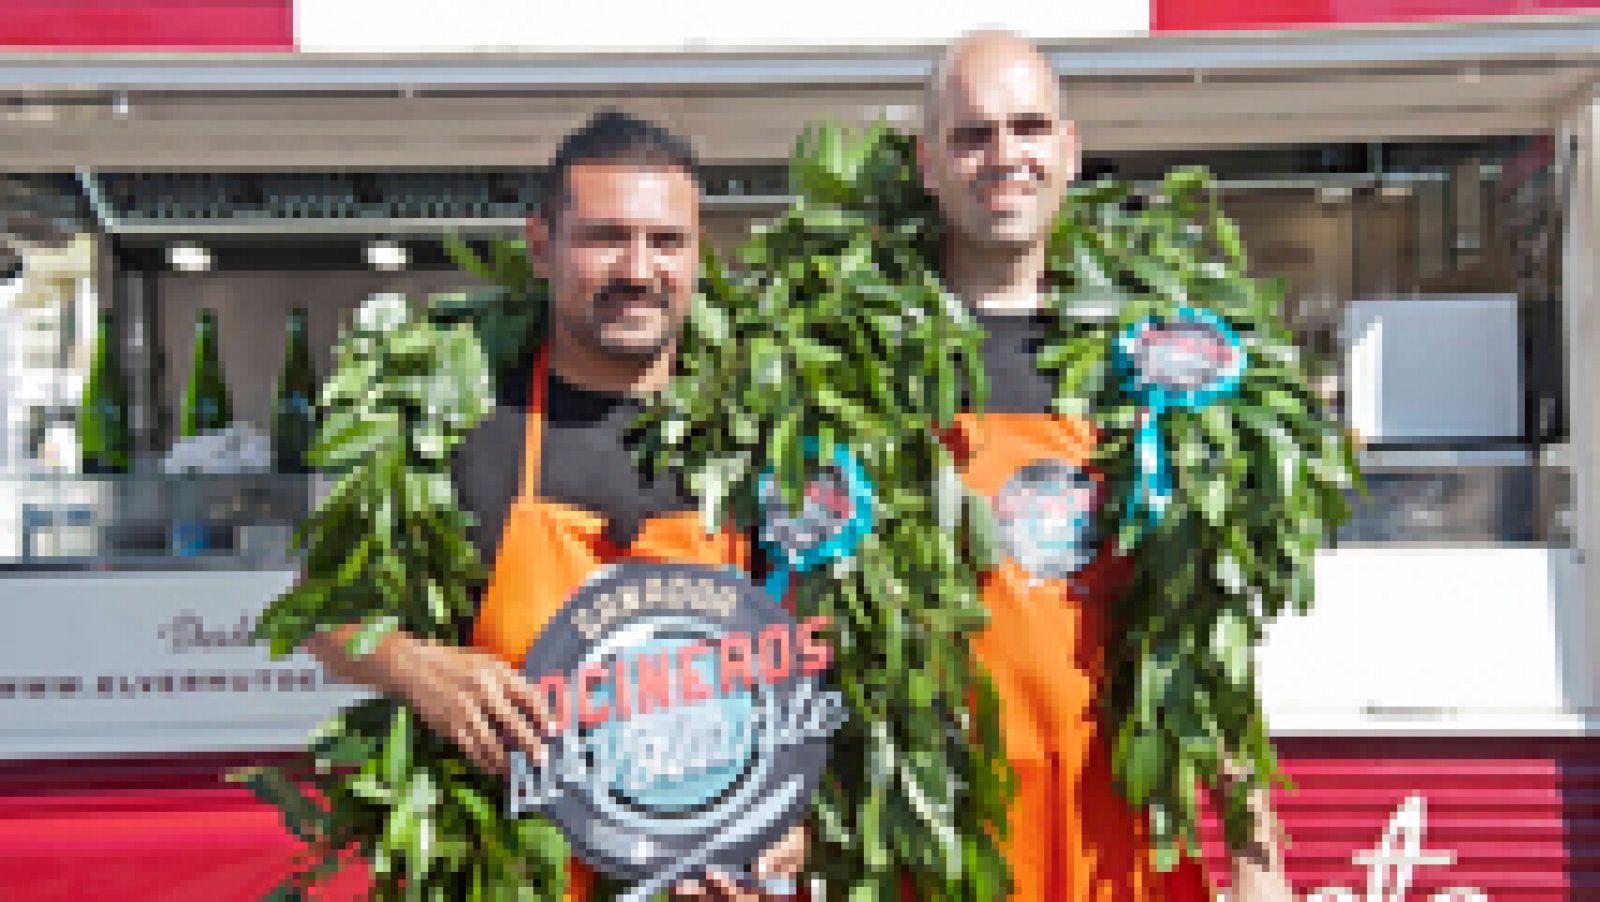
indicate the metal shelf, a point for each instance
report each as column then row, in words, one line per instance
column 152, row 521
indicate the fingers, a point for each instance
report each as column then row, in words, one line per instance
column 723, row 888
column 479, row 740
column 716, row 887
column 786, row 857
column 533, row 702
column 495, row 689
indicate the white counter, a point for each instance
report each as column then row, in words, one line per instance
column 130, row 662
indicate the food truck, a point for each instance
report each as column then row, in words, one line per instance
column 1424, row 178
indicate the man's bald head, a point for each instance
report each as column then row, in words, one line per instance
column 984, row 54
column 996, row 150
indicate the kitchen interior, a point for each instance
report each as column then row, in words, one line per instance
column 1459, row 231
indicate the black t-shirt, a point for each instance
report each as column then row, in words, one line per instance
column 1015, row 384
column 588, row 457
column 587, row 461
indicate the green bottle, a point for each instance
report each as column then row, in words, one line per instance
column 205, row 399
column 103, row 417
column 294, row 415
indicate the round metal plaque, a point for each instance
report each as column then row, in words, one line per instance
column 689, row 717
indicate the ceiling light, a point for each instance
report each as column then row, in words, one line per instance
column 1335, row 194
column 387, row 256
column 189, row 258
column 901, row 112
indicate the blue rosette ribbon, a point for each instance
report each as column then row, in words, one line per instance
column 1186, row 360
column 836, row 514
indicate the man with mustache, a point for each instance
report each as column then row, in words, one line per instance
column 549, row 475
column 997, row 153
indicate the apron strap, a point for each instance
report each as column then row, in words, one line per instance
column 533, row 425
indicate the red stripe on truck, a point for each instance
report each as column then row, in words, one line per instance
column 147, row 24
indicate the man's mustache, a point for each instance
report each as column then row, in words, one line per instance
column 615, row 292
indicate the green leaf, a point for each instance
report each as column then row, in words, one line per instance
column 301, row 816
column 1231, row 644
column 1143, row 763
column 465, row 258
column 345, row 750
column 983, row 533
column 369, row 635
column 1155, row 674
column 476, row 805
column 397, row 748
column 1228, row 238
column 368, row 787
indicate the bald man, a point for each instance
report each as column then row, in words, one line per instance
column 997, row 152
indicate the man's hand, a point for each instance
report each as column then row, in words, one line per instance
column 1260, row 886
column 466, row 696
column 471, row 698
column 783, row 858
column 1258, row 871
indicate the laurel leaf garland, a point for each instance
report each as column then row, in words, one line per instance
column 387, row 548
column 830, row 328
column 1261, row 477
column 1260, row 483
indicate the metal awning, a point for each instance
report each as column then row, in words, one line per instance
column 130, row 111
column 1544, row 38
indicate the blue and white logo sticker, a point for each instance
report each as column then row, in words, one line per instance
column 689, row 721
column 1046, row 518
column 835, row 515
column 1189, row 359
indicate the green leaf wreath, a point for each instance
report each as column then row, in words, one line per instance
column 387, row 548
column 828, row 332
column 1260, row 477
column 834, row 327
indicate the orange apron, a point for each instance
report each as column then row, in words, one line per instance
column 548, row 549
column 1072, row 837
